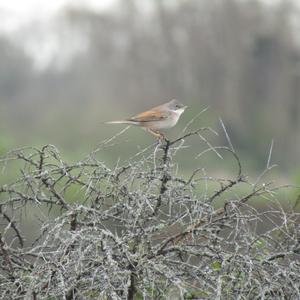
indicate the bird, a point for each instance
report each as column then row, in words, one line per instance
column 160, row 117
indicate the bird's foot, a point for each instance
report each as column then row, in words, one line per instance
column 159, row 135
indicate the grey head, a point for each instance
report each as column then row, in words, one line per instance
column 176, row 105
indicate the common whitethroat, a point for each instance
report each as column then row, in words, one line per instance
column 160, row 117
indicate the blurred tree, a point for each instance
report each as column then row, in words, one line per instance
column 239, row 57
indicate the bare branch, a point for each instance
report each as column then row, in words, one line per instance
column 142, row 228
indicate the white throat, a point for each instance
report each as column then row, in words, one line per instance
column 179, row 111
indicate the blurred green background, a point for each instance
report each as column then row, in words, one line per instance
column 69, row 66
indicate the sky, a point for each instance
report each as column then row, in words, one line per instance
column 36, row 26
column 17, row 13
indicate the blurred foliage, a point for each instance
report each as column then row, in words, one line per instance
column 240, row 58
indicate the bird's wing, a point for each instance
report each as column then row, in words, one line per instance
column 149, row 116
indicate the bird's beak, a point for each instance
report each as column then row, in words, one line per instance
column 185, row 107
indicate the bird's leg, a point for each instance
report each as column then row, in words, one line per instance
column 156, row 133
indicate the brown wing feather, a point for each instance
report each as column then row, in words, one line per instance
column 149, row 116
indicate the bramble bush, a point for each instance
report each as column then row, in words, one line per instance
column 142, row 231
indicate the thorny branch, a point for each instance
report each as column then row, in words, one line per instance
column 140, row 229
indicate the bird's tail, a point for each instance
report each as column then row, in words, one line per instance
column 121, row 122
